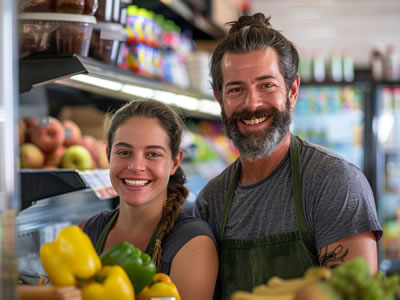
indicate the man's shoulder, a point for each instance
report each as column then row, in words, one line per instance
column 222, row 179
column 321, row 159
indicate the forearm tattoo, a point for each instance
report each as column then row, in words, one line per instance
column 332, row 259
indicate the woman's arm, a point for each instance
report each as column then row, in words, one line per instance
column 194, row 269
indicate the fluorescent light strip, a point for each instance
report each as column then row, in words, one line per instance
column 185, row 102
column 103, row 83
column 138, row 91
column 210, row 107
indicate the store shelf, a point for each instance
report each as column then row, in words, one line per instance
column 112, row 82
column 36, row 71
column 40, row 184
column 179, row 12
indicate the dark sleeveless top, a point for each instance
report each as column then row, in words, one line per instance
column 186, row 228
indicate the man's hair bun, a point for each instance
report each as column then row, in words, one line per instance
column 257, row 20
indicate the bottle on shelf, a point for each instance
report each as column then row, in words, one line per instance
column 347, row 67
column 376, row 64
column 392, row 64
column 335, row 67
column 318, row 67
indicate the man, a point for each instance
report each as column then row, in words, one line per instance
column 285, row 204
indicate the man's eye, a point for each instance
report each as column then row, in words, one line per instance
column 234, row 90
column 268, row 85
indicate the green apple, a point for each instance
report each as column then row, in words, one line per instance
column 77, row 157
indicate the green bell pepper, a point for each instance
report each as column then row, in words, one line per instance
column 139, row 266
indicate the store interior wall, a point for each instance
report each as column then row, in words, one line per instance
column 354, row 26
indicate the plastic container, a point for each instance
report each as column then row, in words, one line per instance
column 37, row 5
column 88, row 7
column 70, row 6
column 55, row 33
column 109, row 11
column 106, row 41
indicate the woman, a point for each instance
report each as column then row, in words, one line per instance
column 143, row 140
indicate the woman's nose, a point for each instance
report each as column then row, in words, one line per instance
column 136, row 163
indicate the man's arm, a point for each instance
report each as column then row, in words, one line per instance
column 363, row 244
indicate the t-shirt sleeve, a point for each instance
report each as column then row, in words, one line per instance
column 201, row 206
column 186, row 229
column 343, row 204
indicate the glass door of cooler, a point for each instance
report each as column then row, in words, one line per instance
column 332, row 116
column 387, row 123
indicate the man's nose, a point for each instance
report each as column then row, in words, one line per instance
column 253, row 100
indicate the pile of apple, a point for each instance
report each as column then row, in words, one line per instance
column 47, row 143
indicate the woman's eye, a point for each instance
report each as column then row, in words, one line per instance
column 123, row 153
column 154, row 154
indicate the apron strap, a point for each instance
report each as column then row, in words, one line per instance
column 228, row 201
column 103, row 235
column 297, row 189
column 151, row 245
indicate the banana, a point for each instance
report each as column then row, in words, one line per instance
column 278, row 286
column 284, row 289
column 249, row 296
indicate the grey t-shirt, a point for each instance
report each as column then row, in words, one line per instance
column 337, row 200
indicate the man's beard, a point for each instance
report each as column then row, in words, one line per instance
column 259, row 145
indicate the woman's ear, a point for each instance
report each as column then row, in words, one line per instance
column 176, row 162
column 108, row 154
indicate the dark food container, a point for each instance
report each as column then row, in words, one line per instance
column 109, row 11
column 54, row 33
column 70, row 6
column 106, row 41
column 87, row 7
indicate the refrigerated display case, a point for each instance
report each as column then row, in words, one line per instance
column 387, row 157
column 332, row 115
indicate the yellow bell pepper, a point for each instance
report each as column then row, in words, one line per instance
column 70, row 257
column 114, row 284
column 161, row 286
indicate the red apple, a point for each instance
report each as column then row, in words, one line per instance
column 31, row 122
column 90, row 143
column 22, row 129
column 103, row 159
column 73, row 134
column 54, row 158
column 31, row 156
column 48, row 136
column 77, row 157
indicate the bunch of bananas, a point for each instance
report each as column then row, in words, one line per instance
column 284, row 289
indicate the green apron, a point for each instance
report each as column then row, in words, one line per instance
column 104, row 233
column 245, row 264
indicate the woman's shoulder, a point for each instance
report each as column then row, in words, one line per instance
column 186, row 228
column 191, row 226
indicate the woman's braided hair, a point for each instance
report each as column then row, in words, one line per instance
column 173, row 125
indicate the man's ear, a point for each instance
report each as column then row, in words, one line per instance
column 294, row 91
column 217, row 98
